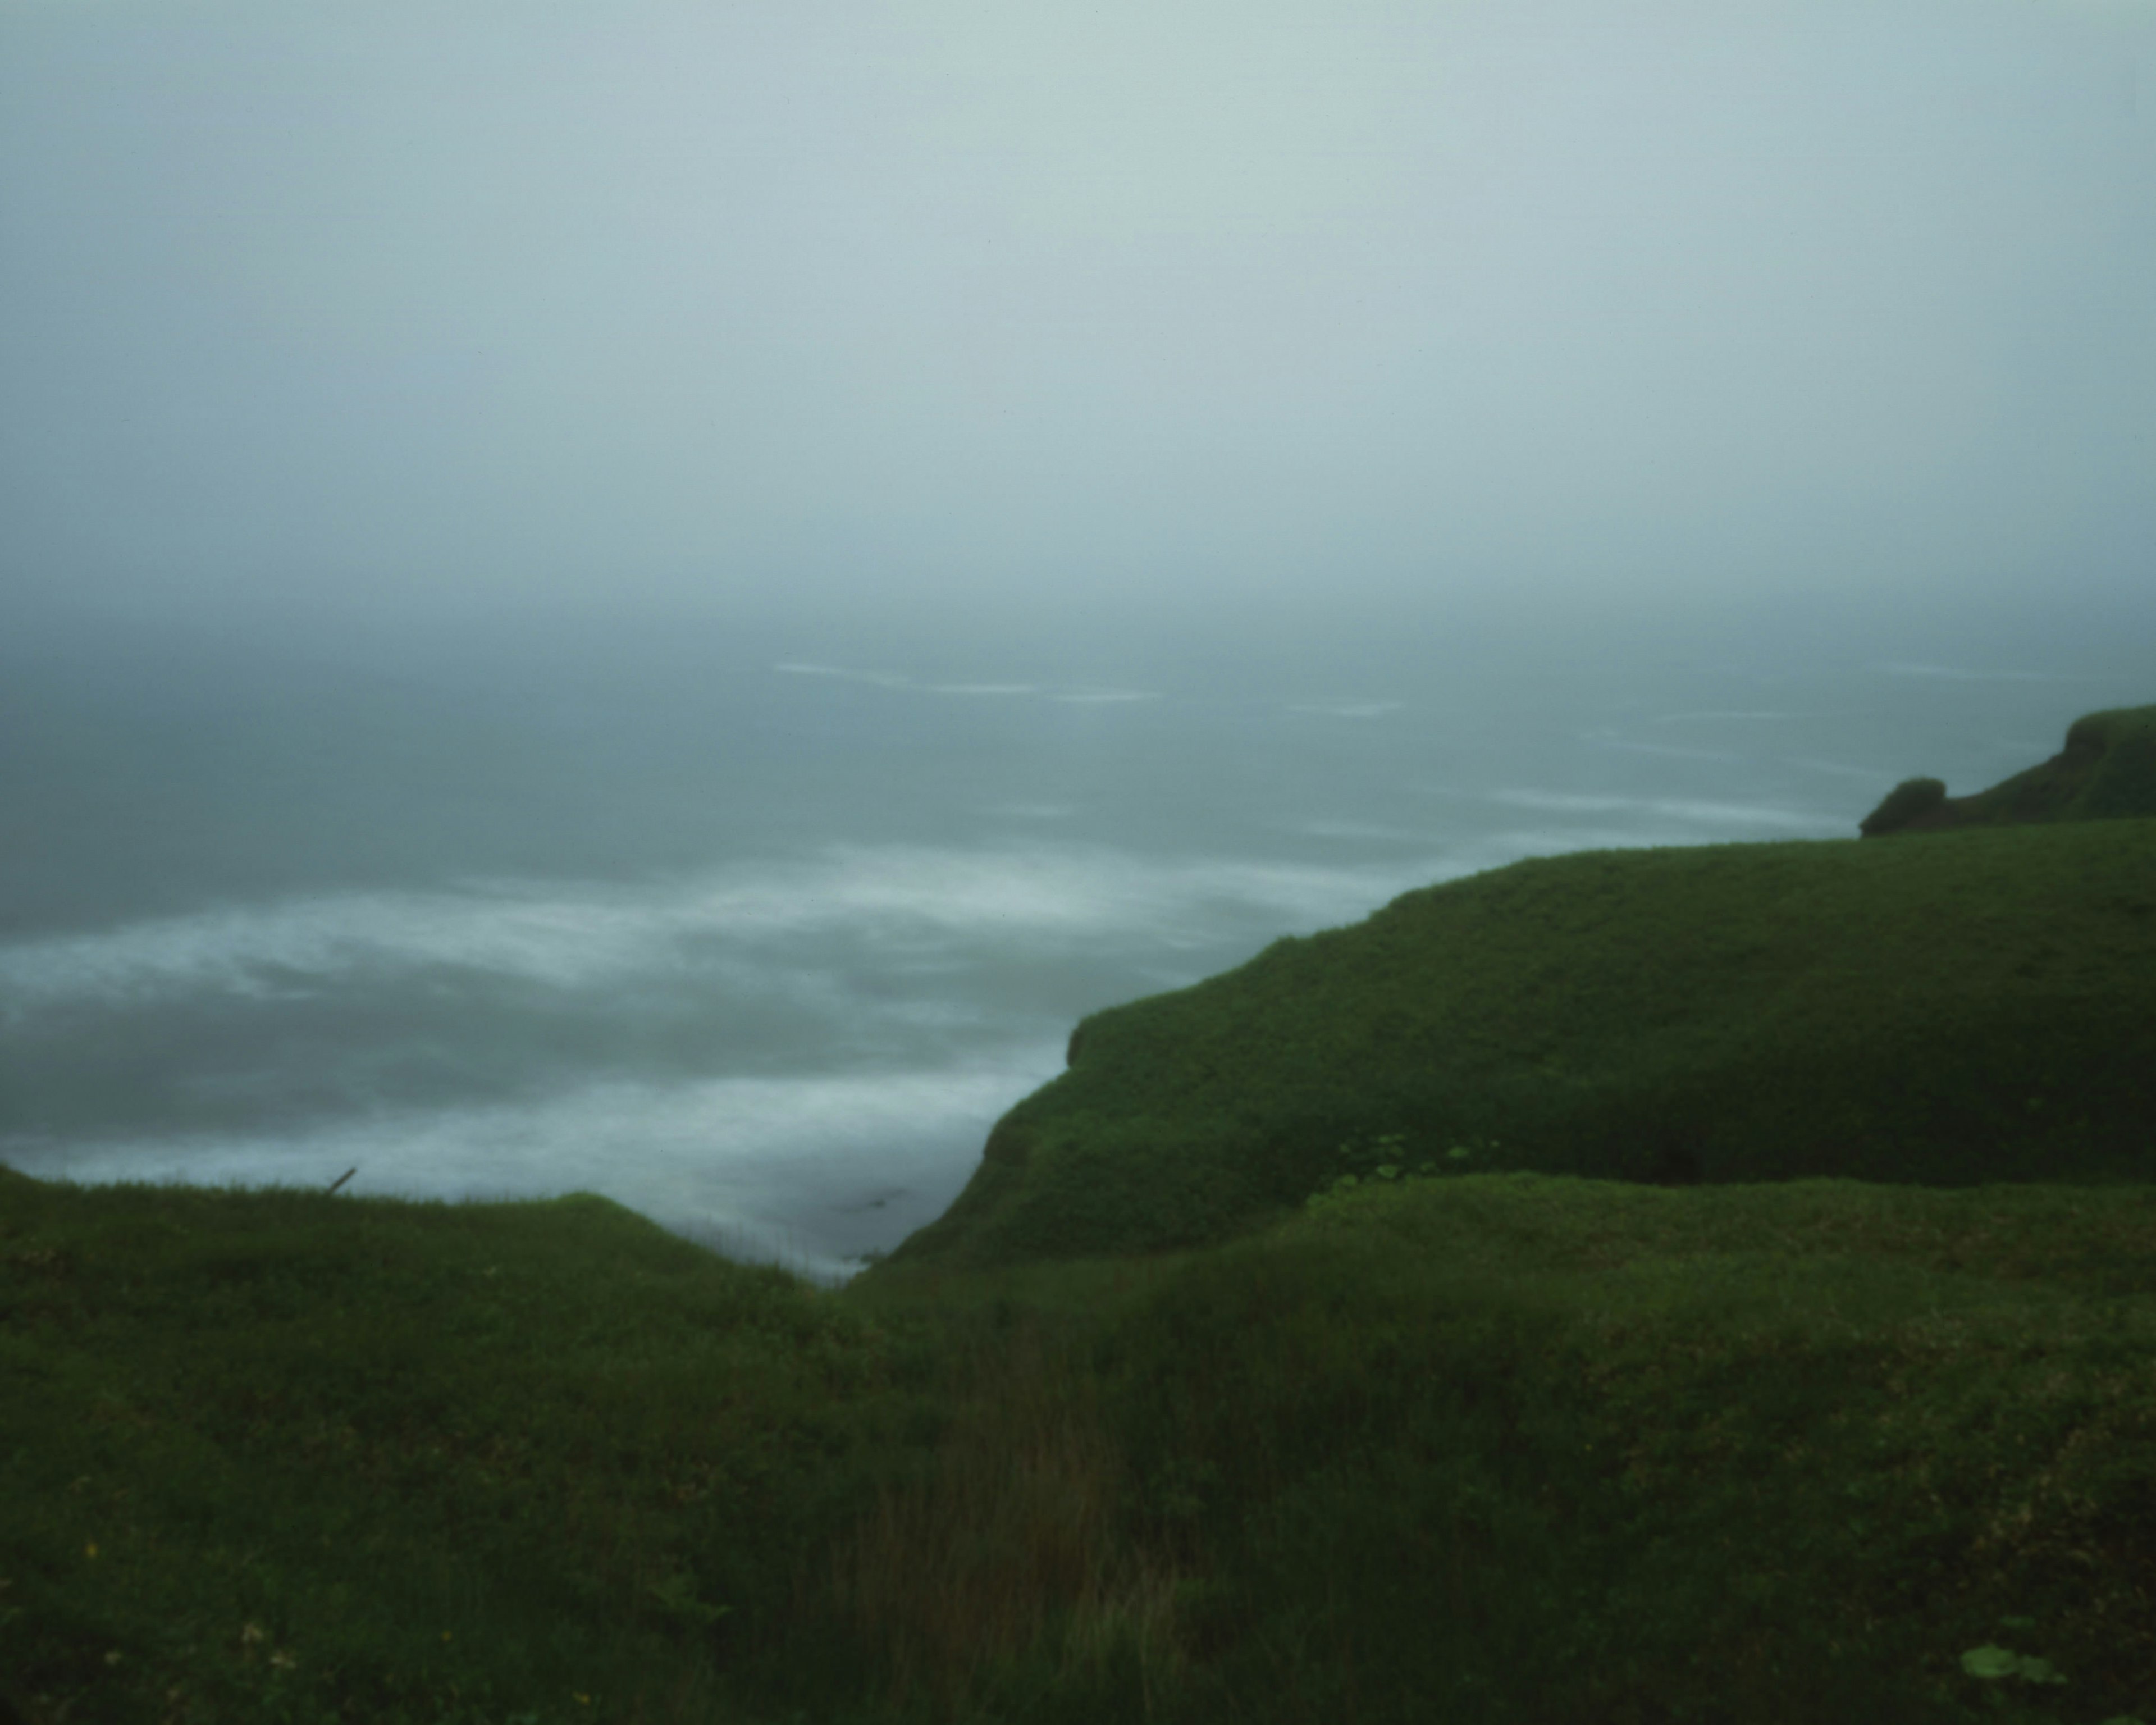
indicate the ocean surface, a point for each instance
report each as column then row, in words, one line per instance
column 757, row 930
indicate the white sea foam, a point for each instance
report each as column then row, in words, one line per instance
column 1347, row 709
column 1841, row 770
column 1962, row 673
column 891, row 680
column 779, row 1163
column 576, row 934
column 887, row 679
column 1689, row 810
column 1610, row 740
column 1689, row 718
column 1353, row 830
column 882, row 901
column 289, row 947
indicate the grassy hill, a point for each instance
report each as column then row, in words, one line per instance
column 1978, row 1007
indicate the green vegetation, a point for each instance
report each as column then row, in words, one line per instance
column 1624, row 1289
column 1491, row 1447
column 1907, row 801
column 1978, row 1007
column 280, row 1456
column 2107, row 772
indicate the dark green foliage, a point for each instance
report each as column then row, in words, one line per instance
column 279, row 1456
column 2124, row 782
column 1979, row 1006
column 1539, row 1451
column 1499, row 1447
column 1523, row 1449
column 1903, row 804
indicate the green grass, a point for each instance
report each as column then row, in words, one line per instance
column 1489, row 1448
column 1969, row 1006
column 277, row 1455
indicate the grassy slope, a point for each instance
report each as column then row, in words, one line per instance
column 281, row 1455
column 2107, row 772
column 1978, row 1005
column 1511, row 1449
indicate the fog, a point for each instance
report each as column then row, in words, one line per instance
column 659, row 598
column 352, row 315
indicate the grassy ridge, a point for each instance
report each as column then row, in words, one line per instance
column 2107, row 772
column 1980, row 1005
column 1498, row 1449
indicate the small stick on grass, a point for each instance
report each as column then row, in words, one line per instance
column 342, row 1177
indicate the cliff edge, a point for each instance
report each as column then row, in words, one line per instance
column 2107, row 772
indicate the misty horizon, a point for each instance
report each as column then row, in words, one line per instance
column 658, row 598
column 363, row 311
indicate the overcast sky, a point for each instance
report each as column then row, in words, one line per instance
column 949, row 303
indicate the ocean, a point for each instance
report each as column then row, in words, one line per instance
column 757, row 929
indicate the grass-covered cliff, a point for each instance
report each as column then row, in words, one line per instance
column 1979, row 1006
column 2106, row 771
